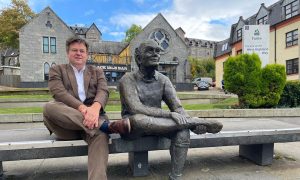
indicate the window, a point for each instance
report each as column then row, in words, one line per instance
column 162, row 38
column 263, row 20
column 239, row 52
column 291, row 9
column 45, row 45
column 239, row 34
column 292, row 66
column 224, row 47
column 291, row 38
column 52, row 44
column 46, row 71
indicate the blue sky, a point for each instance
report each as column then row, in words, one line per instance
column 210, row 20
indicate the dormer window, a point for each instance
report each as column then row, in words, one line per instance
column 291, row 9
column 224, row 47
column 263, row 20
column 239, row 34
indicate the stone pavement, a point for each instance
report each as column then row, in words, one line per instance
column 221, row 163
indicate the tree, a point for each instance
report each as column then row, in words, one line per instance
column 255, row 86
column 11, row 20
column 202, row 67
column 133, row 31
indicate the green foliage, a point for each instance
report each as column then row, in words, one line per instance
column 254, row 86
column 291, row 95
column 11, row 20
column 273, row 82
column 202, row 67
column 133, row 31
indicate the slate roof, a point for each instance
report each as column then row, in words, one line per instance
column 219, row 48
column 107, row 47
column 200, row 42
column 80, row 30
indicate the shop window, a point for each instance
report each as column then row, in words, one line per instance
column 292, row 66
column 291, row 38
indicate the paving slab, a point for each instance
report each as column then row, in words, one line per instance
column 203, row 163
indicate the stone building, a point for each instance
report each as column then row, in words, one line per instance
column 197, row 48
column 174, row 61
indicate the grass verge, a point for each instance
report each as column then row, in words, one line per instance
column 225, row 104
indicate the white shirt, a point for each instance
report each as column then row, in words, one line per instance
column 80, row 83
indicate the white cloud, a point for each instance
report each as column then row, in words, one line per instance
column 199, row 18
column 126, row 20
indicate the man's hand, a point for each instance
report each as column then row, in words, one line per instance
column 91, row 115
column 178, row 118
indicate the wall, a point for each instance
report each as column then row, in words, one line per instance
column 220, row 69
column 284, row 53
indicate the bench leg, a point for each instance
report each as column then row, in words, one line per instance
column 1, row 171
column 261, row 154
column 138, row 163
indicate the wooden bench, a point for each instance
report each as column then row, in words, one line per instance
column 255, row 137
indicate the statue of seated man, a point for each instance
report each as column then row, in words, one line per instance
column 142, row 93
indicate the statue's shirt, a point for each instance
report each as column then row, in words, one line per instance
column 140, row 96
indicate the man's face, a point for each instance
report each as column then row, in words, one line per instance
column 150, row 55
column 77, row 54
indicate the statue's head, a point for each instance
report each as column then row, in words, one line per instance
column 148, row 54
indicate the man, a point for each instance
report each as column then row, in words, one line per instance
column 80, row 94
column 141, row 94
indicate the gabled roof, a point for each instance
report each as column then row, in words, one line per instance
column 45, row 10
column 160, row 16
column 94, row 25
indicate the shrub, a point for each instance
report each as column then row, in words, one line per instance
column 273, row 82
column 255, row 87
column 291, row 95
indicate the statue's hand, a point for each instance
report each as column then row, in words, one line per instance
column 178, row 118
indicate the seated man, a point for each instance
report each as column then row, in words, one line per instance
column 80, row 94
column 142, row 93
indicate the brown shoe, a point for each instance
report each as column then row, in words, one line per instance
column 121, row 126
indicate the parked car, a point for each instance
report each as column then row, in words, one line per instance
column 206, row 79
column 202, row 85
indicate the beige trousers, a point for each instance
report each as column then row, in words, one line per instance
column 66, row 123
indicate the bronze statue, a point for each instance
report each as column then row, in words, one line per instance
column 142, row 93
